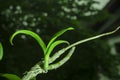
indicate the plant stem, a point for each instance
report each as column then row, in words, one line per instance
column 91, row 38
column 35, row 70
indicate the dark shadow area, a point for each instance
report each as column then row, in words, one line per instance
column 46, row 17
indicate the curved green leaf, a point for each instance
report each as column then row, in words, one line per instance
column 54, row 44
column 11, row 76
column 1, row 51
column 58, row 34
column 32, row 34
column 50, row 49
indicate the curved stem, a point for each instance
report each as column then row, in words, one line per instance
column 92, row 38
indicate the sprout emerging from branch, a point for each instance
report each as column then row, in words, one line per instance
column 47, row 62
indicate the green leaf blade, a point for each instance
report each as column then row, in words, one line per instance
column 1, row 51
column 58, row 34
column 54, row 44
column 11, row 76
column 32, row 34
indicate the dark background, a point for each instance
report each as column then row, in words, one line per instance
column 46, row 17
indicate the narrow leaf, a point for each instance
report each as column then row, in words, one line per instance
column 11, row 76
column 1, row 51
column 50, row 49
column 58, row 34
column 32, row 34
column 54, row 44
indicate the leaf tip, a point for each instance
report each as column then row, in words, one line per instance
column 70, row 28
column 11, row 42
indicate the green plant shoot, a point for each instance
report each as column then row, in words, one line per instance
column 46, row 49
column 37, row 69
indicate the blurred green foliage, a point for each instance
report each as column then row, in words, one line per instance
column 43, row 14
column 1, row 51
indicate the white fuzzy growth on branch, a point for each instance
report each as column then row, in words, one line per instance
column 35, row 70
column 65, row 59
